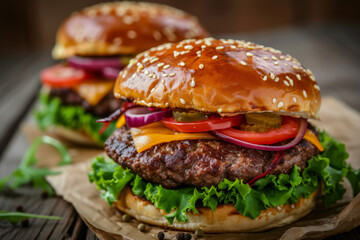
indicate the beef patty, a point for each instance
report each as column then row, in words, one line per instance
column 201, row 163
column 104, row 108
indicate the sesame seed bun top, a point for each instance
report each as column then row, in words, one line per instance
column 225, row 76
column 123, row 28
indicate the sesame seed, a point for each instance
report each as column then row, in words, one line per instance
column 274, row 100
column 249, row 54
column 264, row 78
column 154, row 76
column 280, row 104
column 176, row 53
column 312, row 78
column 154, row 60
column 243, row 63
column 220, row 47
column 288, row 78
column 286, row 83
column 140, row 66
column 278, row 208
column 272, row 76
column 295, row 67
column 317, row 87
column 198, row 52
column 276, row 63
column 298, row 76
column 215, row 57
column 145, row 60
column 162, row 81
column 277, row 79
column 292, row 206
column 201, row 66
column 269, row 213
column 219, row 110
column 203, row 46
column 152, row 90
column 131, row 34
column 291, row 82
column 165, row 75
column 265, row 58
column 198, row 41
column 192, row 83
column 160, row 64
column 182, row 101
column 304, row 93
column 151, row 74
column 172, row 74
column 294, row 99
column 274, row 58
column 146, row 72
column 166, row 66
column 182, row 64
column 233, row 47
column 188, row 47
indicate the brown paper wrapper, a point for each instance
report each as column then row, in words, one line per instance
column 338, row 119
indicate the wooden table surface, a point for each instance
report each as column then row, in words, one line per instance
column 331, row 52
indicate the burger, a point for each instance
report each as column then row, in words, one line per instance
column 94, row 44
column 217, row 137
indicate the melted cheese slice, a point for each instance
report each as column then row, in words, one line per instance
column 93, row 91
column 155, row 133
column 311, row 137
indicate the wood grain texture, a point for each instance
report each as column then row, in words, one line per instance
column 332, row 53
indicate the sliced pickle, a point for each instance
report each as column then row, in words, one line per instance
column 267, row 120
column 253, row 128
column 188, row 116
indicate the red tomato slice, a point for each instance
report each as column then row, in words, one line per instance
column 210, row 124
column 289, row 129
column 63, row 76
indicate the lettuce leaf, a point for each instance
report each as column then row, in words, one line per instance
column 328, row 168
column 51, row 112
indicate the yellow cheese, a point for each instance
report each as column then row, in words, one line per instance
column 311, row 137
column 93, row 91
column 155, row 133
column 121, row 121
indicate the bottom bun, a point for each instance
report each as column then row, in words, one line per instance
column 225, row 218
column 73, row 136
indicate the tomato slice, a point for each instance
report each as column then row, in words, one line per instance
column 211, row 124
column 63, row 76
column 288, row 129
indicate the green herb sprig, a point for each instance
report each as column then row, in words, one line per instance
column 15, row 217
column 28, row 172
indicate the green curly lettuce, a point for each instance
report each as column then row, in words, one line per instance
column 51, row 113
column 328, row 168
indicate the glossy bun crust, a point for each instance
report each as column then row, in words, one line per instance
column 123, row 28
column 225, row 218
column 225, row 76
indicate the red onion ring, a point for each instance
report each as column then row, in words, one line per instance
column 95, row 64
column 115, row 115
column 279, row 155
column 296, row 140
column 140, row 116
column 110, row 72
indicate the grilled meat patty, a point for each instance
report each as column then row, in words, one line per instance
column 104, row 108
column 201, row 163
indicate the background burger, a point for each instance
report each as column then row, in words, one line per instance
column 220, row 140
column 96, row 43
